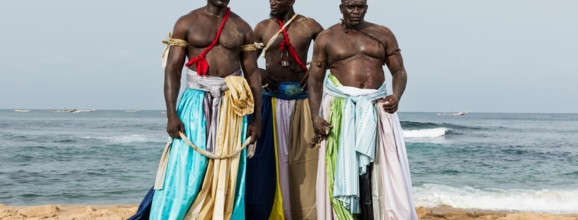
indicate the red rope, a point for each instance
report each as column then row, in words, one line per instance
column 202, row 65
column 287, row 44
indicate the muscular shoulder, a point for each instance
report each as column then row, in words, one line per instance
column 383, row 33
column 264, row 25
column 326, row 35
column 331, row 32
column 311, row 24
column 184, row 21
column 242, row 24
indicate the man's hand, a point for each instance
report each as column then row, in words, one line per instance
column 174, row 126
column 254, row 130
column 321, row 127
column 304, row 82
column 390, row 103
column 268, row 81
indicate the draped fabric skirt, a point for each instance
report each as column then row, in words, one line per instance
column 186, row 168
column 281, row 176
column 388, row 178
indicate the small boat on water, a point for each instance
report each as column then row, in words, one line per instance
column 22, row 110
column 131, row 111
column 86, row 110
column 453, row 113
column 73, row 110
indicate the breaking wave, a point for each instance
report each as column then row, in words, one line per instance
column 549, row 201
column 426, row 133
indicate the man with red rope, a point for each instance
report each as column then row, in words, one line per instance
column 223, row 83
column 281, row 175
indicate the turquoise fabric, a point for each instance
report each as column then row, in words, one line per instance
column 186, row 168
column 239, row 208
column 356, row 152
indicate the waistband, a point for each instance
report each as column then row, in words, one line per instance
column 287, row 91
column 211, row 84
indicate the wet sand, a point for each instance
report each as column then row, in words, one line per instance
column 119, row 212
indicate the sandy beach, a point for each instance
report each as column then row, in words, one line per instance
column 118, row 212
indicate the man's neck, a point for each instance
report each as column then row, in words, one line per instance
column 359, row 26
column 216, row 11
column 287, row 16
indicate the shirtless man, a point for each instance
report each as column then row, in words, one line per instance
column 219, row 45
column 360, row 140
column 286, row 109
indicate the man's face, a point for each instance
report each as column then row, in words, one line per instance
column 353, row 11
column 280, row 8
column 219, row 3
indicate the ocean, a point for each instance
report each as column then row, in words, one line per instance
column 510, row 162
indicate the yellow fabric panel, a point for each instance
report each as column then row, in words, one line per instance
column 216, row 198
column 277, row 211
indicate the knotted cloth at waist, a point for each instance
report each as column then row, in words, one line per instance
column 357, row 150
column 287, row 91
column 237, row 101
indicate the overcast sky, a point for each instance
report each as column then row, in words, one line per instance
column 480, row 56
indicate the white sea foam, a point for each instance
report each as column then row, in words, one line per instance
column 425, row 133
column 547, row 201
column 129, row 139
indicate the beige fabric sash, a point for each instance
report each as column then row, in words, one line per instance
column 277, row 35
column 171, row 42
column 216, row 198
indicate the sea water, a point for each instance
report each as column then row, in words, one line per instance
column 519, row 162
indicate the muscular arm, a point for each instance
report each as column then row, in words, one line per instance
column 266, row 78
column 316, row 76
column 317, row 29
column 257, row 36
column 173, row 71
column 395, row 66
column 253, row 76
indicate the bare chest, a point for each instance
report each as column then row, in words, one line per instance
column 348, row 45
column 299, row 36
column 202, row 34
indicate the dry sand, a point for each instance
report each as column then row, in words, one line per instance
column 116, row 212
column 119, row 212
column 460, row 214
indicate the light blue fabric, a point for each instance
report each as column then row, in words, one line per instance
column 239, row 207
column 357, row 145
column 186, row 168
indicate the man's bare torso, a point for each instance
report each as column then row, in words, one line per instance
column 201, row 29
column 354, row 58
column 301, row 32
